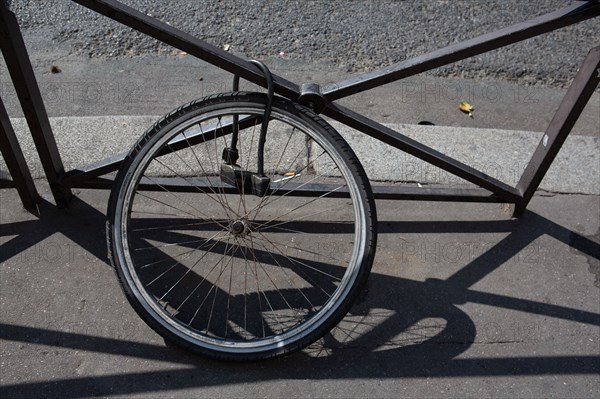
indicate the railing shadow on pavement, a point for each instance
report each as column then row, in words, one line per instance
column 433, row 330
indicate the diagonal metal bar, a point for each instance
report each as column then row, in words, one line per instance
column 188, row 43
column 21, row 72
column 573, row 103
column 77, row 176
column 15, row 161
column 575, row 13
column 421, row 151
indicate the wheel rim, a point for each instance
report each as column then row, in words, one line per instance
column 250, row 277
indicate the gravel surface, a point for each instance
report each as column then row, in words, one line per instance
column 351, row 35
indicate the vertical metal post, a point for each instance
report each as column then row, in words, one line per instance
column 564, row 119
column 15, row 161
column 21, row 72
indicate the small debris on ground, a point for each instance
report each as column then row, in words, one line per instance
column 466, row 108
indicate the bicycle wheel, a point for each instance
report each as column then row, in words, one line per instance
column 220, row 268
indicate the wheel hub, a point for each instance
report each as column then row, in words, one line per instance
column 239, row 228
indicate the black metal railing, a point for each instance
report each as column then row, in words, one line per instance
column 322, row 100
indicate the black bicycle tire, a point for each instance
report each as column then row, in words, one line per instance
column 177, row 117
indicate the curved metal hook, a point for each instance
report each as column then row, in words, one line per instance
column 265, row 122
column 266, row 115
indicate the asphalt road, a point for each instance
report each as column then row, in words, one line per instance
column 351, row 35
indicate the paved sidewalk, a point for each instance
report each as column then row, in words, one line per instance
column 463, row 301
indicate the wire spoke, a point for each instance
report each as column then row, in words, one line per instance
column 301, row 249
column 172, row 226
column 198, row 285
column 156, row 213
column 242, row 193
column 256, row 262
column 293, row 261
column 188, row 181
column 281, row 158
column 189, row 270
column 214, row 286
column 300, row 207
column 287, row 275
column 268, row 197
column 215, row 169
column 264, row 204
column 164, row 203
column 180, row 199
column 224, row 197
column 212, row 308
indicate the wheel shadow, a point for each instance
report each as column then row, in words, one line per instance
column 400, row 328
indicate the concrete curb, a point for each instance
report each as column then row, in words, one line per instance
column 502, row 154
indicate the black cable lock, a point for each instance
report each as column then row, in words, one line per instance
column 231, row 173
